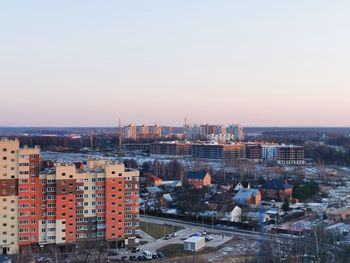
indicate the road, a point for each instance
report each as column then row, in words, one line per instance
column 230, row 231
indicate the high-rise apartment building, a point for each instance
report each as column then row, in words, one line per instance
column 99, row 201
column 19, row 179
column 129, row 132
column 237, row 131
column 142, row 132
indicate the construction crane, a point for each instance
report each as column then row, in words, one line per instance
column 120, row 151
column 91, row 136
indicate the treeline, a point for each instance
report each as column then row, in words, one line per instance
column 326, row 154
column 305, row 191
column 172, row 170
column 66, row 143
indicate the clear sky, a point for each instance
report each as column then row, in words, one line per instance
column 89, row 63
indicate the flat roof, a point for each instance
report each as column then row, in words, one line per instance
column 194, row 239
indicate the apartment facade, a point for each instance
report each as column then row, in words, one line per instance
column 171, row 148
column 65, row 205
column 253, row 152
column 218, row 151
column 19, row 172
column 290, row 155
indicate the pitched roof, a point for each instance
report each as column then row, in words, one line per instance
column 196, row 175
column 221, row 197
column 244, row 194
column 168, row 197
column 276, row 184
column 227, row 208
column 154, row 178
column 153, row 189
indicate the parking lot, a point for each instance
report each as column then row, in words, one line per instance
column 154, row 245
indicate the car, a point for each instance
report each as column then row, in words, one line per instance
column 135, row 249
column 208, row 238
column 154, row 256
column 133, row 258
column 174, row 234
column 203, row 232
column 124, row 258
column 44, row 259
column 166, row 237
column 160, row 255
column 112, row 253
column 141, row 258
column 147, row 254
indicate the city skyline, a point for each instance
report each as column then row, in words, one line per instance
column 268, row 63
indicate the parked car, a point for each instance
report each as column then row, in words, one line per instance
column 174, row 234
column 147, row 254
column 166, row 237
column 135, row 249
column 160, row 255
column 141, row 258
column 208, row 238
column 133, row 258
column 124, row 258
column 112, row 253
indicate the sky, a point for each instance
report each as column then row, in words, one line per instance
column 258, row 63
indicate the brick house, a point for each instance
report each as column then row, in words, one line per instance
column 277, row 189
column 199, row 179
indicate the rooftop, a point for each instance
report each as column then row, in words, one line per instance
column 196, row 175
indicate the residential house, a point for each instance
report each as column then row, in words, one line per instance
column 220, row 199
column 277, row 189
column 229, row 212
column 248, row 197
column 255, row 217
column 241, row 185
column 153, row 180
column 166, row 200
column 199, row 179
column 154, row 191
column 338, row 214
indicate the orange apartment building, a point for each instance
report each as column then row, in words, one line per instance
column 99, row 201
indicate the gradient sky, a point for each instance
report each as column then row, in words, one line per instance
column 88, row 63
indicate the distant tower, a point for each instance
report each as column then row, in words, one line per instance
column 185, row 129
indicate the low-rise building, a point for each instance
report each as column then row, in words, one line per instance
column 199, row 179
column 194, row 243
column 248, row 197
column 229, row 212
column 277, row 189
column 166, row 200
column 338, row 214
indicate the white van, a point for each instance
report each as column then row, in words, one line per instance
column 147, row 254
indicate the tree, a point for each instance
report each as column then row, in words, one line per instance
column 285, row 206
